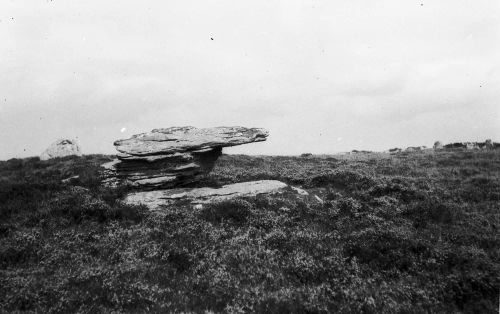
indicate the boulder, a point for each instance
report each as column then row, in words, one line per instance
column 395, row 150
column 155, row 200
column 471, row 145
column 61, row 148
column 438, row 145
column 488, row 144
column 415, row 148
column 173, row 157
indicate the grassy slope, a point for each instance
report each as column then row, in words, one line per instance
column 410, row 233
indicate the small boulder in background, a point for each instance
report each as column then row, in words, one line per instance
column 438, row 145
column 61, row 148
column 488, row 144
column 415, row 148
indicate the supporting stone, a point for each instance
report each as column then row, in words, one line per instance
column 155, row 200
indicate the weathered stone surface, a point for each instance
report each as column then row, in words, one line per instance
column 155, row 200
column 166, row 172
column 186, row 139
column 61, row 148
column 173, row 157
column 415, row 148
column 300, row 191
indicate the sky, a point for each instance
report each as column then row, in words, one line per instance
column 321, row 76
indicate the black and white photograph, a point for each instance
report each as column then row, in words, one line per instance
column 264, row 156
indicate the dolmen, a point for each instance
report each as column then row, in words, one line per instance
column 174, row 157
column 159, row 164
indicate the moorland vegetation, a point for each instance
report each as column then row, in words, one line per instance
column 406, row 233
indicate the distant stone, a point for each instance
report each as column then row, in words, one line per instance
column 355, row 151
column 395, row 150
column 155, row 200
column 471, row 145
column 488, row 144
column 61, row 148
column 415, row 148
column 438, row 145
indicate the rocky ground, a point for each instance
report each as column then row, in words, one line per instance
column 412, row 232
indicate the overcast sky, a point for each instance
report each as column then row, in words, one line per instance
column 321, row 76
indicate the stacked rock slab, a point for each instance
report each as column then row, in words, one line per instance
column 172, row 157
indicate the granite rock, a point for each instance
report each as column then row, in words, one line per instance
column 173, row 157
column 61, row 148
column 155, row 200
column 165, row 172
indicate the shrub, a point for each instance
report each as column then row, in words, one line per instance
column 349, row 206
column 342, row 179
column 236, row 211
column 433, row 210
column 78, row 204
column 401, row 188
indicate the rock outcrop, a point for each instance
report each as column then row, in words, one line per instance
column 415, row 148
column 61, row 148
column 488, row 144
column 155, row 200
column 395, row 150
column 159, row 163
column 173, row 157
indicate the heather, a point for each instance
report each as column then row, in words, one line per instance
column 405, row 233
